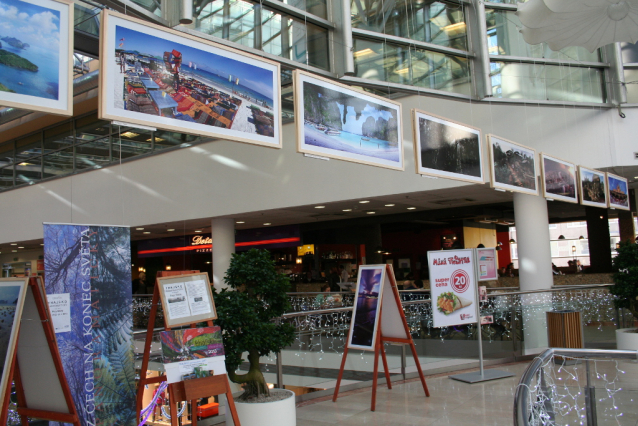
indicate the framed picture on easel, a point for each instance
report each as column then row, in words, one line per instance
column 12, row 294
column 186, row 299
column 367, row 308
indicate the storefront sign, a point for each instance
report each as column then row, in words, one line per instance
column 453, row 287
column 91, row 266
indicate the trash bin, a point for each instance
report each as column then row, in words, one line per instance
column 565, row 329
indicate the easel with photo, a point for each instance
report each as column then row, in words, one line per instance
column 42, row 390
column 389, row 327
column 189, row 390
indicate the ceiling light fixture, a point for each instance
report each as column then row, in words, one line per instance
column 389, row 205
column 267, row 223
column 364, row 202
column 240, row 221
column 198, row 230
column 411, row 208
column 14, row 244
column 170, row 230
column 139, row 229
column 370, row 212
column 320, row 207
column 147, row 232
column 347, row 210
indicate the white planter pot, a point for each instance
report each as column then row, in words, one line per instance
column 627, row 341
column 278, row 413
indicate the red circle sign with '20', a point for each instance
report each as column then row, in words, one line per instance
column 460, row 280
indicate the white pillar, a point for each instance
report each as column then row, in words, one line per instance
column 534, row 267
column 223, row 236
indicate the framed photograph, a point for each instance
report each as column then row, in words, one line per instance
column 447, row 149
column 336, row 121
column 618, row 191
column 559, row 179
column 513, row 166
column 186, row 299
column 591, row 186
column 154, row 76
column 36, row 55
column 12, row 295
column 365, row 316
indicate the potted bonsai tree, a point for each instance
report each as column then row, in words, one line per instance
column 625, row 288
column 247, row 315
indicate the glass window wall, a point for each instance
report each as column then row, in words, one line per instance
column 258, row 27
column 316, row 7
column 381, row 61
column 631, row 81
column 441, row 23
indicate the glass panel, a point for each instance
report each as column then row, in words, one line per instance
column 165, row 139
column 59, row 137
column 153, row 6
column 431, row 22
column 316, row 7
column 28, row 147
column 6, row 154
column 90, row 128
column 131, row 143
column 546, row 82
column 283, row 36
column 629, row 52
column 58, row 163
column 29, row 171
column 417, row 67
column 92, row 155
column 6, row 178
column 631, row 79
column 504, row 38
column 87, row 18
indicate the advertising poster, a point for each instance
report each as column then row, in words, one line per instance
column 192, row 353
column 91, row 265
column 365, row 317
column 453, row 287
column 487, row 267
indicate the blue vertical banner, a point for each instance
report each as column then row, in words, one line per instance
column 91, row 265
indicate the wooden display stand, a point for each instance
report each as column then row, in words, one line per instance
column 189, row 390
column 395, row 320
column 70, row 416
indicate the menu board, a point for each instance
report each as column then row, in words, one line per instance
column 186, row 299
column 453, row 287
column 487, row 267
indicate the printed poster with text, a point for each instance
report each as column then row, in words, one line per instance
column 88, row 283
column 453, row 287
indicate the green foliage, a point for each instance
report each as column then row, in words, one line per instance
column 246, row 315
column 4, row 88
column 12, row 60
column 625, row 267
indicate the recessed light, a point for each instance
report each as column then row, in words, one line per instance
column 347, row 210
column 198, row 230
column 41, row 244
column 267, row 223
column 411, row 208
column 139, row 229
column 147, row 232
column 389, row 205
column 14, row 251
column 208, row 263
column 320, row 207
column 370, row 212
column 240, row 221
column 20, row 247
column 14, row 244
column 169, row 230
column 364, row 202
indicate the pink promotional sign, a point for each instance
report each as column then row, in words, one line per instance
column 487, row 269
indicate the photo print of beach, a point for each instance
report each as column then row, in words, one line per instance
column 365, row 317
column 338, row 122
column 592, row 187
column 447, row 149
column 559, row 179
column 513, row 166
column 159, row 77
column 618, row 192
column 36, row 55
column 11, row 300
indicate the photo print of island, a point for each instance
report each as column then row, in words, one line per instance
column 158, row 77
column 592, row 187
column 338, row 122
column 11, row 301
column 363, row 328
column 513, row 166
column 559, row 179
column 35, row 55
column 447, row 149
column 618, row 192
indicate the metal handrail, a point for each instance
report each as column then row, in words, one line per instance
column 521, row 409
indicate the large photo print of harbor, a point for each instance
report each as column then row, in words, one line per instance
column 36, row 55
column 447, row 149
column 338, row 122
column 158, row 77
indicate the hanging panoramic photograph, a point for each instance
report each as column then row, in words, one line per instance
column 592, row 187
column 338, row 122
column 36, row 55
column 559, row 179
column 618, row 192
column 447, row 149
column 513, row 166
column 158, row 77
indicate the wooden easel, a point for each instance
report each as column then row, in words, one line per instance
column 189, row 390
column 69, row 417
column 394, row 310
